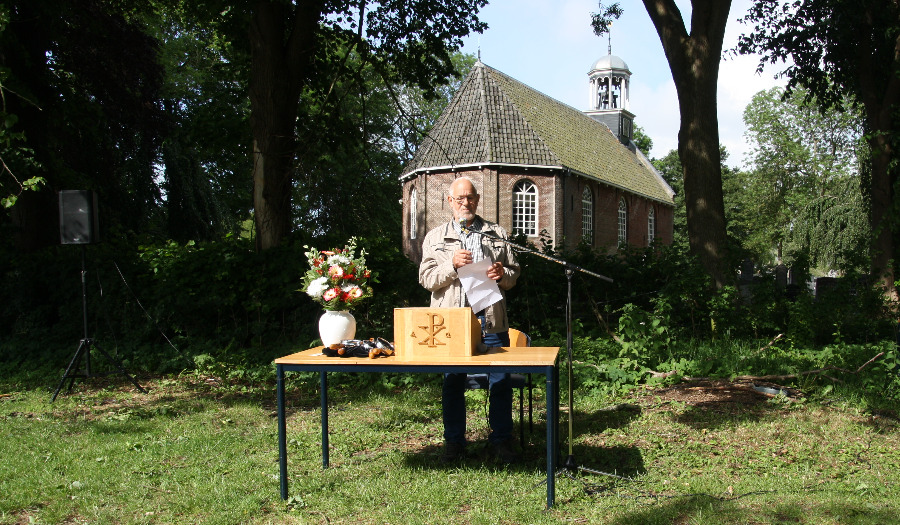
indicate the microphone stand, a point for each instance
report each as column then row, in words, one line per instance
column 570, row 465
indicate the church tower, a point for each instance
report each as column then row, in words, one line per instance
column 609, row 89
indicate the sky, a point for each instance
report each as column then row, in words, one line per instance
column 550, row 46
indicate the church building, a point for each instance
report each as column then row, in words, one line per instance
column 542, row 168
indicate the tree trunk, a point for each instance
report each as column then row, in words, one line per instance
column 283, row 43
column 694, row 62
column 882, row 219
column 880, row 98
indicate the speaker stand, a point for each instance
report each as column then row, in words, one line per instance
column 85, row 345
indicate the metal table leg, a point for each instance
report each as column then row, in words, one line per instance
column 282, row 431
column 552, row 415
column 323, row 387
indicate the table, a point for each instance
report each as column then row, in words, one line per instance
column 521, row 360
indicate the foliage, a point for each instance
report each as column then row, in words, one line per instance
column 643, row 336
column 836, row 48
column 204, row 161
column 338, row 279
column 822, row 39
column 802, row 194
column 318, row 46
column 833, row 229
column 642, row 140
column 13, row 143
column 161, row 306
column 87, row 83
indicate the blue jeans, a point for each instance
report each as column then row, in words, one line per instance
column 499, row 401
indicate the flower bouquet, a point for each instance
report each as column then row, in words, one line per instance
column 338, row 279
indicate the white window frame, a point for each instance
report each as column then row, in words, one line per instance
column 623, row 222
column 525, row 208
column 651, row 225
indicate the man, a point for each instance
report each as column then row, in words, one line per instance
column 445, row 249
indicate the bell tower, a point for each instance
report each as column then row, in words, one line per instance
column 610, row 81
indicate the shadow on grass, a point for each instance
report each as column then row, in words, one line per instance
column 615, row 416
column 704, row 507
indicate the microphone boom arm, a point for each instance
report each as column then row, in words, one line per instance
column 524, row 249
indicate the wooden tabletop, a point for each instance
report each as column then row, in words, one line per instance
column 503, row 356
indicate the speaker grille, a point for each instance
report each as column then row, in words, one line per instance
column 78, row 217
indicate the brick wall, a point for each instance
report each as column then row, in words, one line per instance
column 559, row 207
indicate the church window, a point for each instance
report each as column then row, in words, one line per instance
column 623, row 222
column 587, row 216
column 651, row 225
column 525, row 208
column 413, row 215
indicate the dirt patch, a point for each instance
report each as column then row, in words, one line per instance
column 706, row 392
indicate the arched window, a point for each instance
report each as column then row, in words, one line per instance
column 413, row 215
column 587, row 216
column 525, row 208
column 651, row 225
column 623, row 222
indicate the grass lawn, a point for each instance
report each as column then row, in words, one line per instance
column 197, row 450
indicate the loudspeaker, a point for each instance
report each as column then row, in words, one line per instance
column 78, row 223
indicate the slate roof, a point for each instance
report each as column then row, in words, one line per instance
column 495, row 119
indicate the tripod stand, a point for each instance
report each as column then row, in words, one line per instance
column 85, row 346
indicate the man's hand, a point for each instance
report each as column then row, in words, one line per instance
column 495, row 272
column 461, row 258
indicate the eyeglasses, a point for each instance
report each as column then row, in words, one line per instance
column 464, row 198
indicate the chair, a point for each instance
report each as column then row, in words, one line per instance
column 520, row 381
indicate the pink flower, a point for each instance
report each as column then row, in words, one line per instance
column 335, row 272
column 331, row 293
column 355, row 292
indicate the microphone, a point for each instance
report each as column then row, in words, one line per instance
column 483, row 233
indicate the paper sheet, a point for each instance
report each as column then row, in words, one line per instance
column 481, row 291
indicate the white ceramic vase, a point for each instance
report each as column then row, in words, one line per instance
column 335, row 326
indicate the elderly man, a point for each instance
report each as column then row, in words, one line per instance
column 446, row 248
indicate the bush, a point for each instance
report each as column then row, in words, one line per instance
column 159, row 305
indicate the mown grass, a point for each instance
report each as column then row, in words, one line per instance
column 201, row 450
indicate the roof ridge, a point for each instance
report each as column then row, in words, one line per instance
column 488, row 146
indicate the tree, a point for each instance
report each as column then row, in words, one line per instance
column 204, row 155
column 641, row 140
column 672, row 171
column 361, row 138
column 13, row 144
column 406, row 41
column 799, row 156
column 87, row 82
column 840, row 47
column 694, row 62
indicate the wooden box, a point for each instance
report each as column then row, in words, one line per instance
column 420, row 332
